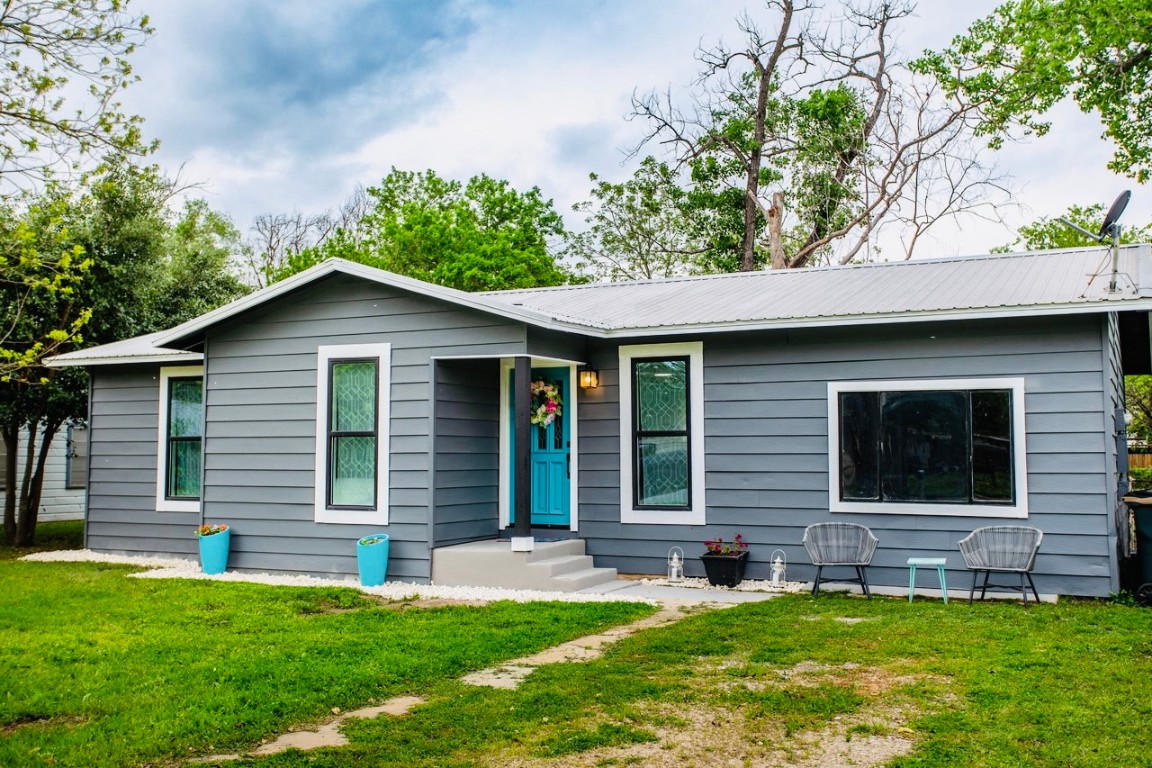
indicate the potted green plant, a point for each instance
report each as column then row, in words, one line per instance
column 215, row 540
column 725, row 560
column 372, row 559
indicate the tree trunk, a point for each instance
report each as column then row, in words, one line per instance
column 33, row 489
column 11, row 435
column 775, row 219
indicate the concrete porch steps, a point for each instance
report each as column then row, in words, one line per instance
column 553, row 566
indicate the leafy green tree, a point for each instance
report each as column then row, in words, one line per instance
column 1138, row 402
column 1028, row 55
column 63, row 64
column 639, row 229
column 804, row 141
column 145, row 270
column 479, row 236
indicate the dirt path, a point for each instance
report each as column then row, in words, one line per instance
column 508, row 675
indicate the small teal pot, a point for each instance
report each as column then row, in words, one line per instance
column 372, row 560
column 214, row 551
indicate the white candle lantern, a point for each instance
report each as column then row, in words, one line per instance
column 779, row 567
column 675, row 564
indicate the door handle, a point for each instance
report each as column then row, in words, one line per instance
column 568, row 464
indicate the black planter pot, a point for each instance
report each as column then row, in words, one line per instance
column 724, row 570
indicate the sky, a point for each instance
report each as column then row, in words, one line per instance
column 281, row 106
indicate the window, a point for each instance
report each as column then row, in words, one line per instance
column 352, row 434
column 662, row 434
column 181, row 437
column 76, row 469
column 928, row 447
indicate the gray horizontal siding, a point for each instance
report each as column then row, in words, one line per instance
column 466, row 443
column 261, row 423
column 766, row 444
column 123, row 425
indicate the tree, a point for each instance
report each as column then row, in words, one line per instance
column 147, row 270
column 64, row 63
column 637, row 230
column 38, row 275
column 31, row 400
column 802, row 144
column 479, row 236
column 1028, row 55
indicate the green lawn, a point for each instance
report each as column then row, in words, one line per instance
column 101, row 669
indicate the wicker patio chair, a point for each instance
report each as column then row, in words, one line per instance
column 1003, row 549
column 840, row 544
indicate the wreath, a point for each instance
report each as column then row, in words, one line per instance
column 546, row 402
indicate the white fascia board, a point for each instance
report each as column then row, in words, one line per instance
column 83, row 362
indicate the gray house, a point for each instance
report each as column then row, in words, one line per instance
column 923, row 399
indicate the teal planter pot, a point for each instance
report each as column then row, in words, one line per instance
column 214, row 551
column 372, row 559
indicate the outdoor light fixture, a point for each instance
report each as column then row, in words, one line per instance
column 589, row 378
column 675, row 564
column 779, row 566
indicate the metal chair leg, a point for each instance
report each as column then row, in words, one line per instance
column 863, row 582
column 1033, row 585
column 816, row 586
column 1023, row 591
column 984, row 586
column 972, row 592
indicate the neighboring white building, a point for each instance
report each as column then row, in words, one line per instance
column 65, row 474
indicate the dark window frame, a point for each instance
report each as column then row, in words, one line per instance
column 638, row 434
column 333, row 435
column 969, row 436
column 169, row 440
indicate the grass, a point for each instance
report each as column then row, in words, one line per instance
column 106, row 670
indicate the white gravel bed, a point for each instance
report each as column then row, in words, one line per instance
column 748, row 585
column 176, row 568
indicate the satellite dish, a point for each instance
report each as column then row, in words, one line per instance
column 1114, row 214
column 1109, row 229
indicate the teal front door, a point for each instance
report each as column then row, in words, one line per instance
column 550, row 448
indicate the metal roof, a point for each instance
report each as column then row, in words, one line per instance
column 999, row 285
column 1002, row 284
column 141, row 349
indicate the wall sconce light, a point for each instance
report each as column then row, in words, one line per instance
column 589, row 378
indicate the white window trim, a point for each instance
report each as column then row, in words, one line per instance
column 164, row 504
column 695, row 513
column 383, row 355
column 1019, row 510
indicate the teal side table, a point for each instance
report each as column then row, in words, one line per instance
column 939, row 562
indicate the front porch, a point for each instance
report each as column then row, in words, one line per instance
column 497, row 477
column 551, row 566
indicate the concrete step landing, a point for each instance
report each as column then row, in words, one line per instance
column 553, row 566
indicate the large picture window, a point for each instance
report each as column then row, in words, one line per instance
column 352, row 388
column 662, row 434
column 944, row 447
column 181, row 445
